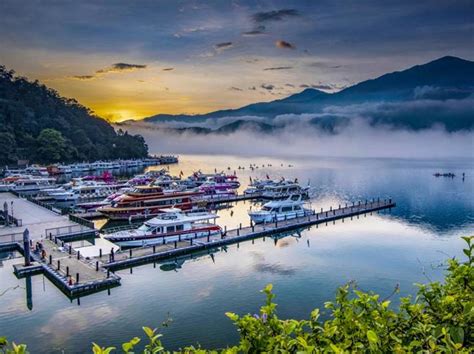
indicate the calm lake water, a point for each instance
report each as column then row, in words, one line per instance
column 404, row 246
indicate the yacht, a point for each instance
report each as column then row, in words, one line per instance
column 169, row 226
column 279, row 210
column 284, row 189
column 147, row 201
column 32, row 184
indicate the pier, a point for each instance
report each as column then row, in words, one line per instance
column 78, row 272
column 142, row 255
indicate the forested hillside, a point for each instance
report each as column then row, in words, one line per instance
column 39, row 125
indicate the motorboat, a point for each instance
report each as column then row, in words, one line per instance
column 32, row 184
column 280, row 210
column 147, row 201
column 284, row 189
column 169, row 226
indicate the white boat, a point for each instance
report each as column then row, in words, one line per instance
column 280, row 210
column 64, row 169
column 284, row 189
column 169, row 226
column 63, row 195
column 32, row 184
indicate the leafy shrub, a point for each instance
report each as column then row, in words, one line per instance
column 439, row 319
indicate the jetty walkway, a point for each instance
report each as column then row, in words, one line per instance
column 79, row 273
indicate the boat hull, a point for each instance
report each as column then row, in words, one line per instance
column 259, row 217
column 162, row 239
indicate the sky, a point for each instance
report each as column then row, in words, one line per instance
column 134, row 59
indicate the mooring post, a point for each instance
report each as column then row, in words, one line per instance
column 59, row 264
column 130, row 253
column 240, row 226
column 50, row 259
column 191, row 241
column 96, row 266
column 154, row 247
column 67, row 271
column 108, row 273
column 330, row 208
column 78, row 254
column 100, row 252
column 26, row 247
column 225, row 229
column 175, row 244
column 238, row 232
column 164, row 240
column 77, row 278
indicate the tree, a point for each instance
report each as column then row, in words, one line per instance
column 52, row 146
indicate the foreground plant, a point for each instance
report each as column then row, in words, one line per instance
column 439, row 319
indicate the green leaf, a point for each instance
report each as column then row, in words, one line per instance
column 372, row 337
column 148, row 331
column 457, row 334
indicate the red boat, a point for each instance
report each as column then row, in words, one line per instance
column 144, row 202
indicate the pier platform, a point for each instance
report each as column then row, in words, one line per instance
column 81, row 271
column 142, row 255
column 32, row 216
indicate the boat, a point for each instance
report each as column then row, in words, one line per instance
column 284, row 189
column 147, row 201
column 280, row 210
column 169, row 226
column 32, row 184
column 62, row 195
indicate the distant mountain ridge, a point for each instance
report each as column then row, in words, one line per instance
column 446, row 78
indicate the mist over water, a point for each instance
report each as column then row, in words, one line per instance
column 301, row 139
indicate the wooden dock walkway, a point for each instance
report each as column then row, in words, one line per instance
column 141, row 255
column 77, row 275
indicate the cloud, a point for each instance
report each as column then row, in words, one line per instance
column 322, row 87
column 257, row 31
column 167, row 69
column 284, row 45
column 233, row 88
column 121, row 67
column 277, row 15
column 323, row 65
column 267, row 87
column 223, row 46
column 83, row 77
column 279, row 68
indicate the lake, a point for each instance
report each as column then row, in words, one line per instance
column 403, row 246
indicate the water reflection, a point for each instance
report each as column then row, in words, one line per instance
column 377, row 251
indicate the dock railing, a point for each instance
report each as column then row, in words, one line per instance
column 11, row 238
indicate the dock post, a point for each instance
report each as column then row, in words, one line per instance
column 326, row 214
column 67, row 271
column 26, row 246
column 339, row 206
column 100, row 252
column 321, row 210
column 78, row 254
column 50, row 259
column 130, row 253
column 191, row 241
column 175, row 244
column 108, row 273
column 77, row 278
column 238, row 232
column 240, row 226
column 96, row 266
column 164, row 241
column 154, row 247
column 59, row 264
column 330, row 208
column 69, row 249
column 179, row 238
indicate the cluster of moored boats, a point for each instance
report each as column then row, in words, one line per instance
column 172, row 207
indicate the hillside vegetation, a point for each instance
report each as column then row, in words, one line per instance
column 39, row 125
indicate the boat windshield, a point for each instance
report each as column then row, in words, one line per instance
column 145, row 228
column 267, row 208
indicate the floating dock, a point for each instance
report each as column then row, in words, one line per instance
column 142, row 255
column 78, row 273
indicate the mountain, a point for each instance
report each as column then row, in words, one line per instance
column 416, row 98
column 38, row 125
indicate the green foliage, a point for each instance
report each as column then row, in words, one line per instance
column 27, row 109
column 439, row 319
